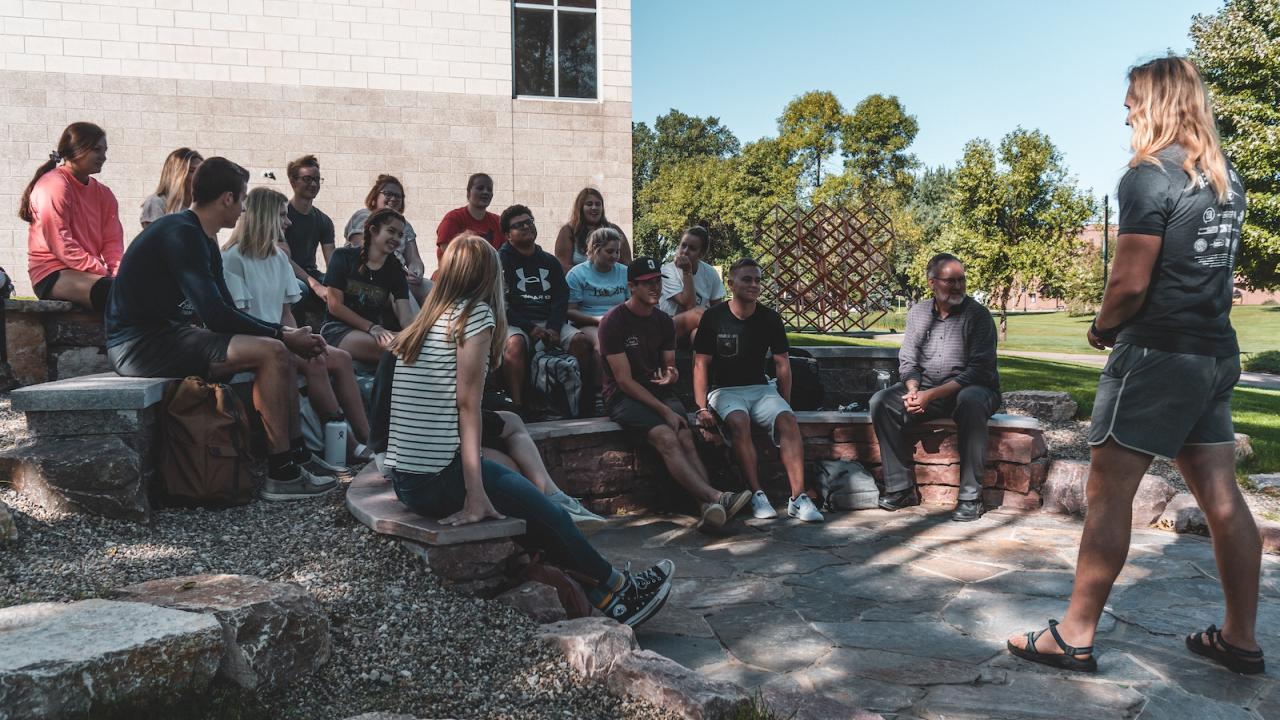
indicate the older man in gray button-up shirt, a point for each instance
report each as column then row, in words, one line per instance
column 948, row 368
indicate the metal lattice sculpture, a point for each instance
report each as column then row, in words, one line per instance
column 827, row 269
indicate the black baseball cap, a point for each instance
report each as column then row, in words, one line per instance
column 644, row 268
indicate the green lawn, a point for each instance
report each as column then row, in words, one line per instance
column 1257, row 326
column 1256, row 412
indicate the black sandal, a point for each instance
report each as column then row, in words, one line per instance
column 1066, row 661
column 1239, row 660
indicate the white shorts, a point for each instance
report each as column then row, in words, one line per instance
column 761, row 403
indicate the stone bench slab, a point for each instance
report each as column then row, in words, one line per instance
column 103, row 391
column 373, row 502
column 832, row 417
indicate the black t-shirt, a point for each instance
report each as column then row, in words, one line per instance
column 739, row 347
column 170, row 272
column 1188, row 304
column 643, row 339
column 306, row 234
column 371, row 294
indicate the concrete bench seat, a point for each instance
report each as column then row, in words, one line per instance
column 372, row 501
column 473, row 558
column 100, row 391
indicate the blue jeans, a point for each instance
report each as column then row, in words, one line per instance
column 547, row 526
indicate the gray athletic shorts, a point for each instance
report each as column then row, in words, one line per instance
column 1156, row 402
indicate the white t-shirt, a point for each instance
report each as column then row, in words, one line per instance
column 152, row 209
column 706, row 287
column 260, row 287
column 423, row 435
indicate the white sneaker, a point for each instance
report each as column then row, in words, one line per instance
column 761, row 508
column 581, row 516
column 802, row 508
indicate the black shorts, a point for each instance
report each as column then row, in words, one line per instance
column 334, row 331
column 44, row 288
column 635, row 415
column 178, row 351
column 491, row 427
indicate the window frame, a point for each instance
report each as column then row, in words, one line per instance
column 555, row 8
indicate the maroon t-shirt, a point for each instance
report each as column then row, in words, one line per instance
column 642, row 339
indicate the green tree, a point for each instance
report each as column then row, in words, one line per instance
column 874, row 141
column 1015, row 216
column 675, row 139
column 809, row 127
column 923, row 227
column 1238, row 51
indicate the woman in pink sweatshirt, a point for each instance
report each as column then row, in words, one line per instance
column 75, row 238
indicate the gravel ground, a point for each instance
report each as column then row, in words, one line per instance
column 402, row 641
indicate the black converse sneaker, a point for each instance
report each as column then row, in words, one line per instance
column 643, row 596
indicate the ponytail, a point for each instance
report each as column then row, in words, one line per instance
column 78, row 138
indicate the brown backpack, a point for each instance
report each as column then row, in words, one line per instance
column 204, row 448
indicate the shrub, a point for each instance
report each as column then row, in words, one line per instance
column 1267, row 362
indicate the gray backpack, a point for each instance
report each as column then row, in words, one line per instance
column 846, row 485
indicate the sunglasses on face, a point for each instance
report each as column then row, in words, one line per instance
column 310, row 179
column 523, row 224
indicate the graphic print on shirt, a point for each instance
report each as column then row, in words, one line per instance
column 1219, row 235
column 365, row 294
column 727, row 344
column 523, row 282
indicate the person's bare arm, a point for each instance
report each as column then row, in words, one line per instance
column 579, row 318
column 404, row 313
column 782, row 371
column 1128, row 284
column 701, row 388
column 621, row 367
column 470, row 386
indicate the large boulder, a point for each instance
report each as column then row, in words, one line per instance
column 539, row 601
column 78, row 659
column 668, row 685
column 1183, row 515
column 273, row 633
column 1064, row 491
column 1268, row 483
column 1041, row 404
column 1243, row 448
column 591, row 645
column 100, row 474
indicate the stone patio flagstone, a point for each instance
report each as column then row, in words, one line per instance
column 906, row 614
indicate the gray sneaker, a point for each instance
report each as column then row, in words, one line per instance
column 713, row 517
column 304, row 486
column 733, row 502
column 317, row 465
column 582, row 517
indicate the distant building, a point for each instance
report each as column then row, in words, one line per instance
column 537, row 94
column 1032, row 301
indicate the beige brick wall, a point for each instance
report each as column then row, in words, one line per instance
column 417, row 88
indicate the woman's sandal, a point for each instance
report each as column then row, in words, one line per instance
column 1066, row 661
column 1239, row 660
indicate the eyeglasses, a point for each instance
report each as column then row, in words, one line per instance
column 391, row 195
column 522, row 224
column 310, row 179
column 959, row 280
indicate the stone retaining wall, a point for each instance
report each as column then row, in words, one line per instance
column 53, row 340
column 616, row 473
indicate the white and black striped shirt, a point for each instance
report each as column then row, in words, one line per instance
column 424, row 397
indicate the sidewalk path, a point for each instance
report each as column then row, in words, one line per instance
column 906, row 614
column 1266, row 381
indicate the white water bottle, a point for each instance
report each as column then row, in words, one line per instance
column 335, row 443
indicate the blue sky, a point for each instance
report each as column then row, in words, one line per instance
column 964, row 69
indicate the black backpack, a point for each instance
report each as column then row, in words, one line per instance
column 806, row 381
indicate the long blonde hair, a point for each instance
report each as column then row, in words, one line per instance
column 1169, row 104
column 470, row 273
column 174, row 186
column 259, row 228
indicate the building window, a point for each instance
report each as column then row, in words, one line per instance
column 554, row 49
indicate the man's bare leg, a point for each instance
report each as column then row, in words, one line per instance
column 515, row 362
column 274, row 384
column 792, row 450
column 1210, row 474
column 690, row 476
column 1114, row 474
column 744, row 450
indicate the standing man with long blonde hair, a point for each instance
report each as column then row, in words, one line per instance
column 1165, row 313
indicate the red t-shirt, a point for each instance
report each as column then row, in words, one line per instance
column 456, row 221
